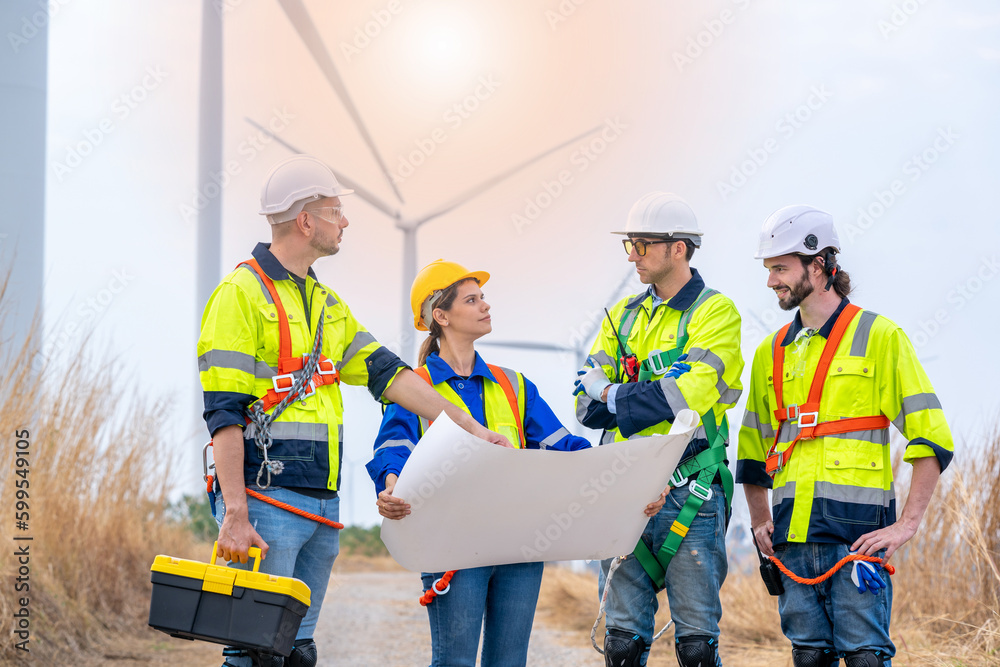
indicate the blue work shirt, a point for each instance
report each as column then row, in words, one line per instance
column 400, row 428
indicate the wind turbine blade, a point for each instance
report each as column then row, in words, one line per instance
column 360, row 191
column 496, row 180
column 520, row 345
column 303, row 24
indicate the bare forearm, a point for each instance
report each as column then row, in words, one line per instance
column 227, row 448
column 760, row 509
column 412, row 393
column 926, row 472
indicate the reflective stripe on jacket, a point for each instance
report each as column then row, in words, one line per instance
column 481, row 397
column 713, row 349
column 238, row 355
column 839, row 487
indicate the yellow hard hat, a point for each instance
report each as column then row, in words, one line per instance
column 438, row 276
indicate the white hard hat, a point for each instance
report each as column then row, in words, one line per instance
column 293, row 183
column 797, row 229
column 663, row 214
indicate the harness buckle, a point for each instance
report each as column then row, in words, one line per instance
column 282, row 383
column 808, row 419
column 792, row 412
column 326, row 367
column 655, row 362
column 699, row 491
column 775, row 463
column 676, row 480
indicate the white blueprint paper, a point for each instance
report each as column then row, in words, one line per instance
column 474, row 503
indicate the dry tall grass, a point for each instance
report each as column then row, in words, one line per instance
column 946, row 595
column 98, row 483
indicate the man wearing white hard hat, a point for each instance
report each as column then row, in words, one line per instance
column 673, row 347
column 823, row 391
column 275, row 346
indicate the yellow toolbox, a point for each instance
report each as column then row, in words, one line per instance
column 226, row 605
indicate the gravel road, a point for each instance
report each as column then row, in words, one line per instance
column 374, row 618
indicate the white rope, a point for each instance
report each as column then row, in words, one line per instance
column 604, row 599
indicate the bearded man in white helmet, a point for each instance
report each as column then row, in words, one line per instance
column 823, row 392
column 673, row 347
column 275, row 345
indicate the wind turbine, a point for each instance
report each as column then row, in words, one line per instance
column 306, row 29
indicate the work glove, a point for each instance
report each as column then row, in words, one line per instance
column 678, row 369
column 866, row 577
column 592, row 381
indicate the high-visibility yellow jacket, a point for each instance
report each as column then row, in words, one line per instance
column 839, row 487
column 238, row 356
column 480, row 396
column 713, row 349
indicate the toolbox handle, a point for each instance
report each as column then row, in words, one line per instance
column 252, row 552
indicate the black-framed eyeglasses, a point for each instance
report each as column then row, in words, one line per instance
column 640, row 246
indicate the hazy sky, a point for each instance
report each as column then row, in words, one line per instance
column 883, row 113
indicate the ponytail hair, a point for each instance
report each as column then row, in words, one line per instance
column 841, row 279
column 445, row 302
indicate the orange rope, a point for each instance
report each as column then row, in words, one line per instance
column 295, row 510
column 829, row 573
column 437, row 588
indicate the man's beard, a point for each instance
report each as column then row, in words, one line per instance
column 796, row 293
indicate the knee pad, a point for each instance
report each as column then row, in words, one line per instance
column 696, row 651
column 813, row 657
column 622, row 649
column 866, row 658
column 264, row 658
column 303, row 654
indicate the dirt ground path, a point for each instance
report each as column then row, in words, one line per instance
column 373, row 618
column 369, row 618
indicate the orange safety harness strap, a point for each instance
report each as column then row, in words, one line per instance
column 505, row 385
column 829, row 573
column 807, row 413
column 326, row 370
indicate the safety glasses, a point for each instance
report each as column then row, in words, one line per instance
column 640, row 246
column 338, row 213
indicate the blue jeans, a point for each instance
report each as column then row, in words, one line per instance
column 498, row 600
column 832, row 615
column 298, row 547
column 694, row 575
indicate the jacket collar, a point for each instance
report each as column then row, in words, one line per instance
column 272, row 267
column 440, row 371
column 680, row 301
column 824, row 331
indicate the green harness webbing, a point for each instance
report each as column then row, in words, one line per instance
column 700, row 469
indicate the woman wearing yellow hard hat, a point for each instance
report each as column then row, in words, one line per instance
column 447, row 301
